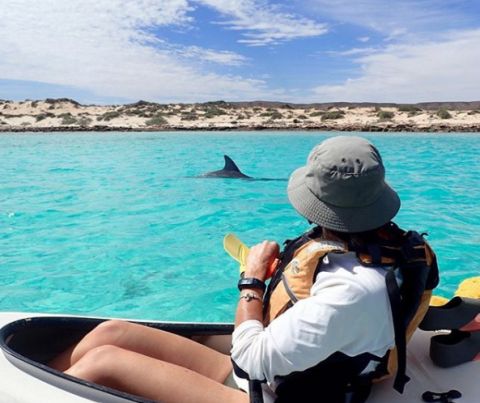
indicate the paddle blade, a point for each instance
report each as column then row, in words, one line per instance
column 236, row 249
column 239, row 251
column 469, row 288
column 437, row 300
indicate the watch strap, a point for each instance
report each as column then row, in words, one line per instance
column 251, row 282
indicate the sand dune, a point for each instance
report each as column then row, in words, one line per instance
column 69, row 115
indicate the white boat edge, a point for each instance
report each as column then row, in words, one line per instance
column 17, row 386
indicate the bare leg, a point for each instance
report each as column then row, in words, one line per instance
column 154, row 379
column 149, row 342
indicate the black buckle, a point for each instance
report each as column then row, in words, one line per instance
column 442, row 397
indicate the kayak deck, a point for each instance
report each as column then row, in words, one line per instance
column 30, row 343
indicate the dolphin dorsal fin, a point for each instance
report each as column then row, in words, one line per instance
column 230, row 165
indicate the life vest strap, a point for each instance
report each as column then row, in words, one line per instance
column 400, row 330
column 291, row 294
column 255, row 391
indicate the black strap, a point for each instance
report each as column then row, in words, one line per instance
column 251, row 282
column 399, row 326
column 442, row 397
column 359, row 392
column 255, row 391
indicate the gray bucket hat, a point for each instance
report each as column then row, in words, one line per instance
column 343, row 186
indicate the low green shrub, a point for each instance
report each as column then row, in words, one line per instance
column 84, row 121
column 132, row 111
column 272, row 115
column 189, row 116
column 42, row 116
column 444, row 114
column 332, row 115
column 385, row 115
column 213, row 111
column 157, row 120
column 68, row 119
column 107, row 116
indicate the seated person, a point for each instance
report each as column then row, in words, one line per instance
column 315, row 335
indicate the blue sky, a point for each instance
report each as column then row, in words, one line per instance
column 117, row 51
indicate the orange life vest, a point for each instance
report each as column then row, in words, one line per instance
column 394, row 249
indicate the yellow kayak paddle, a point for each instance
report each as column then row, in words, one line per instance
column 239, row 251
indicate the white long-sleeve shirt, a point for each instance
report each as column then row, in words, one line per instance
column 348, row 311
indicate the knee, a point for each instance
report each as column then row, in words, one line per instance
column 106, row 333
column 110, row 331
column 96, row 365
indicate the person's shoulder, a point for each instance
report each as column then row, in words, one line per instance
column 346, row 286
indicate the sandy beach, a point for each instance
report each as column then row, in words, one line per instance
column 68, row 115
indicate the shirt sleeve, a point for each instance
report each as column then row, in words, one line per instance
column 298, row 339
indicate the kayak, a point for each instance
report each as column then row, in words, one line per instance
column 29, row 341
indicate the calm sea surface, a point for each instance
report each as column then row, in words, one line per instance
column 116, row 224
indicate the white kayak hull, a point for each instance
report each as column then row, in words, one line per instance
column 24, row 379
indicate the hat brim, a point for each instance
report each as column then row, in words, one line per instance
column 343, row 219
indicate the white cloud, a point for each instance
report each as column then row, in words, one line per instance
column 445, row 70
column 393, row 18
column 363, row 39
column 223, row 57
column 353, row 51
column 264, row 23
column 104, row 46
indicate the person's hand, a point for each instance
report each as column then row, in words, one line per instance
column 260, row 259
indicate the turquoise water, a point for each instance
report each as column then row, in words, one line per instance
column 113, row 224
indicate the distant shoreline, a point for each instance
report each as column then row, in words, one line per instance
column 368, row 129
column 65, row 115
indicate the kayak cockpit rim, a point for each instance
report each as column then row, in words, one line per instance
column 30, row 343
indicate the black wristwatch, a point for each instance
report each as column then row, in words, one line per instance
column 251, row 282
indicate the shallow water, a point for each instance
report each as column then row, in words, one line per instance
column 115, row 224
